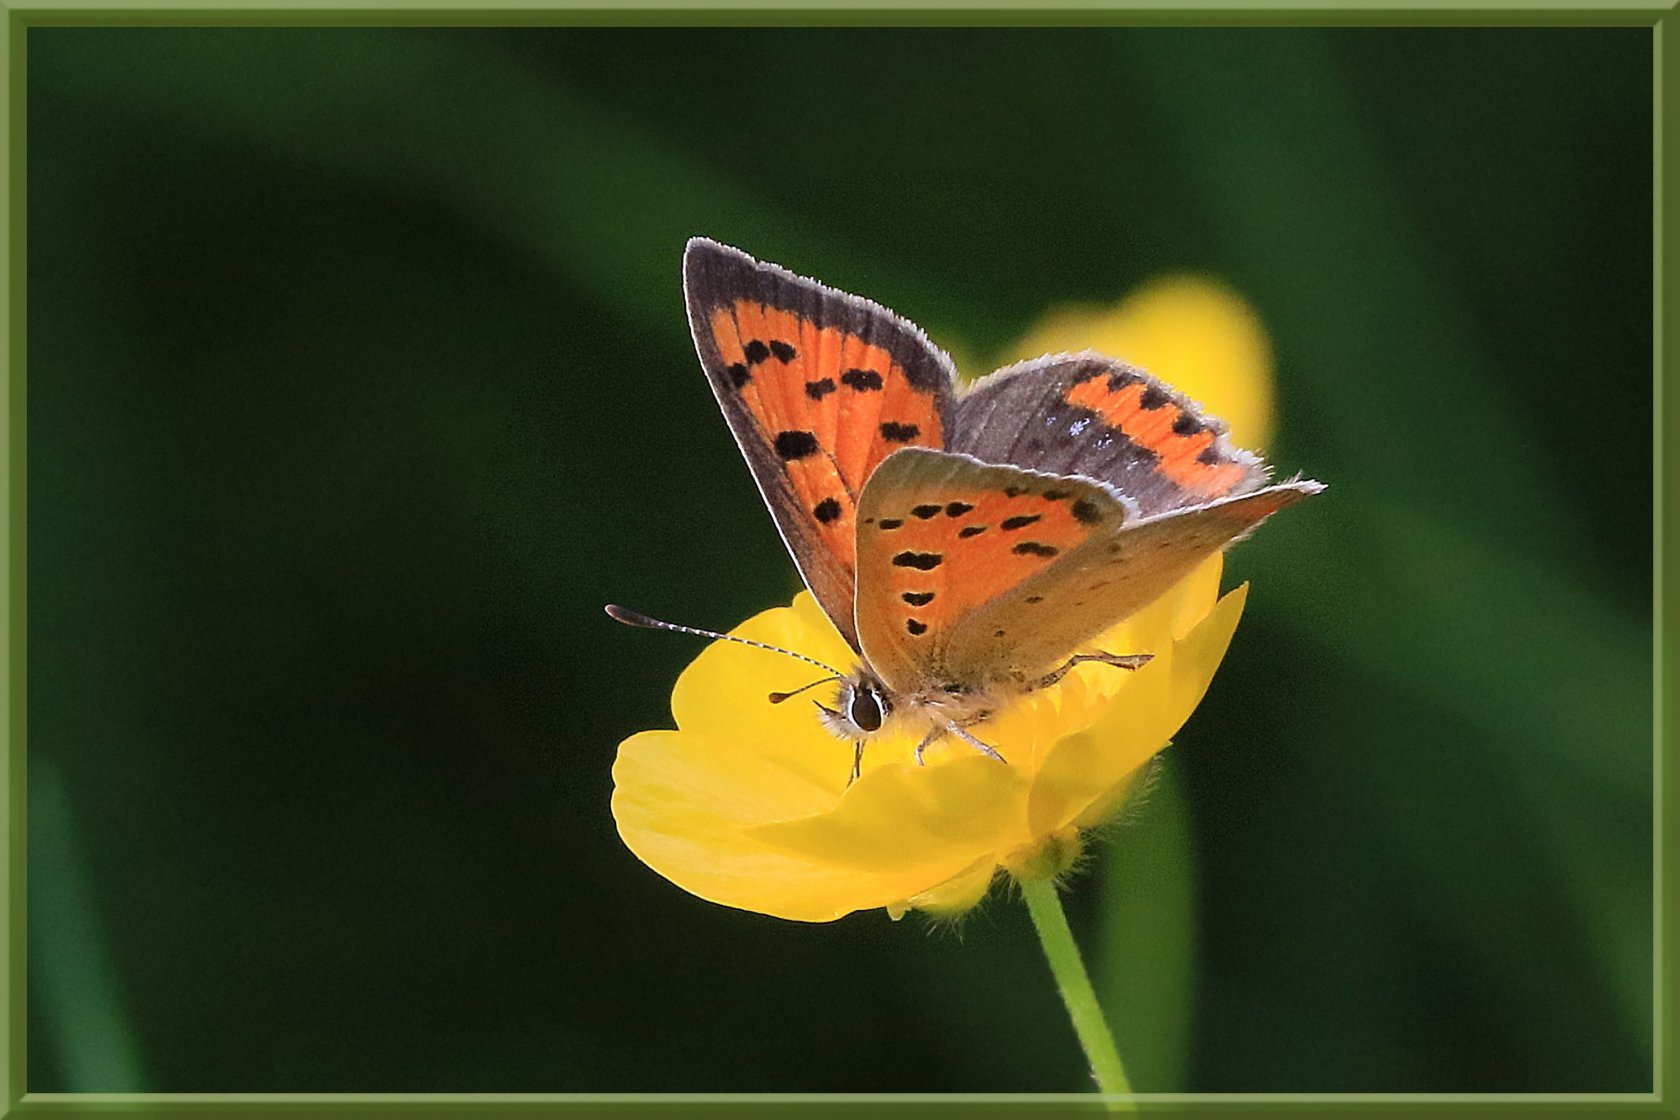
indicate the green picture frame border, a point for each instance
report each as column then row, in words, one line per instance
column 17, row 18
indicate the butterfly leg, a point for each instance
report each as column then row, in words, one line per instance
column 984, row 748
column 928, row 740
column 1118, row 660
column 857, row 763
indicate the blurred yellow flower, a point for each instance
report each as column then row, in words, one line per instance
column 747, row 804
column 1197, row 334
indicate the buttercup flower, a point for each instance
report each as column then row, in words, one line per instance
column 746, row 803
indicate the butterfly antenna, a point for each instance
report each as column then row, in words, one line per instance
column 778, row 697
column 636, row 618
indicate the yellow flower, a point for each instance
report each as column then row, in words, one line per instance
column 1195, row 333
column 747, row 804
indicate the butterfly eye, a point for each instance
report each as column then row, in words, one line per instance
column 865, row 711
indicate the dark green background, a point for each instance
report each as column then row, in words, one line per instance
column 358, row 380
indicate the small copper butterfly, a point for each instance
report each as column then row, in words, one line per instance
column 966, row 541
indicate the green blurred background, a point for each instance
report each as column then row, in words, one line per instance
column 359, row 380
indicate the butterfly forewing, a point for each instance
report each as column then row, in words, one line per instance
column 942, row 535
column 971, row 575
column 1089, row 415
column 1057, row 611
column 819, row 387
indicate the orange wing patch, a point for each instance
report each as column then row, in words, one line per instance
column 951, row 555
column 1182, row 443
column 941, row 536
column 830, row 405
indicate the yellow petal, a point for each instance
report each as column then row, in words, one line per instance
column 692, row 822
column 1150, row 708
column 1197, row 334
column 939, row 818
column 1197, row 594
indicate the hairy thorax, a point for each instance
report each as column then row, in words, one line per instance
column 865, row 707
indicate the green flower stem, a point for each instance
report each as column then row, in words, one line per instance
column 1045, row 906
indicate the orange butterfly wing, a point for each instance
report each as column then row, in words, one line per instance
column 972, row 575
column 818, row 388
column 941, row 535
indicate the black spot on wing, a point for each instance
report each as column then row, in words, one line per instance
column 891, row 522
column 1210, row 456
column 1013, row 491
column 921, row 561
column 863, row 380
column 924, row 512
column 1055, row 495
column 1035, row 598
column 1086, row 511
column 1153, row 397
column 1186, row 425
column 817, row 390
column 1019, row 521
column 796, row 445
column 899, row 433
column 739, row 374
column 915, row 627
column 917, row 598
column 756, row 352
column 826, row 510
column 783, row 351
column 1034, row 548
column 957, row 509
column 971, row 531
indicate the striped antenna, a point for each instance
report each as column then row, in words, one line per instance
column 636, row 618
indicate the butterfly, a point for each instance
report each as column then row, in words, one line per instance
column 967, row 542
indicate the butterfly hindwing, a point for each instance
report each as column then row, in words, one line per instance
column 1100, row 418
column 940, row 536
column 818, row 388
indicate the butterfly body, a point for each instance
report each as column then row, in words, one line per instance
column 865, row 706
column 967, row 543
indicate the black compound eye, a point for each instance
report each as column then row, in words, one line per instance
column 866, row 710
